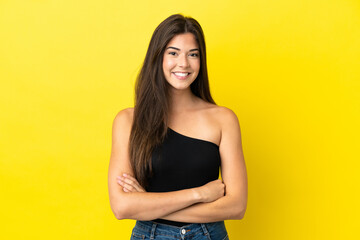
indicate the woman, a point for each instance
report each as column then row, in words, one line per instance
column 167, row 150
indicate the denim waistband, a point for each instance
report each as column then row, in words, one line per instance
column 151, row 228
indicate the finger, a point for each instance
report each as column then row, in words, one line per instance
column 127, row 186
column 121, row 179
column 129, row 176
column 131, row 180
column 133, row 184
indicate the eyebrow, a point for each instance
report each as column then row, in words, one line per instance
column 191, row 50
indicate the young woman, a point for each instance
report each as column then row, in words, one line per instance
column 167, row 150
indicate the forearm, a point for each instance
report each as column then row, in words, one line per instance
column 222, row 209
column 148, row 205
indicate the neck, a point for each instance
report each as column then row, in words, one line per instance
column 181, row 100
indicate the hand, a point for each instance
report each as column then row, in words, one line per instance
column 129, row 183
column 212, row 190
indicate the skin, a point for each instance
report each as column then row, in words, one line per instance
column 191, row 116
column 181, row 55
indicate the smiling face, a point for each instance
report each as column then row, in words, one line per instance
column 181, row 62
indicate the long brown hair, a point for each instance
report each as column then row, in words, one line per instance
column 150, row 120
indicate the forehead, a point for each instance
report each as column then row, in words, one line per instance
column 183, row 41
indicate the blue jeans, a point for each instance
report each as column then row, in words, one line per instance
column 196, row 231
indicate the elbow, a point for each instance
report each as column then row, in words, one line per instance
column 125, row 209
column 241, row 208
column 240, row 213
column 120, row 211
column 119, row 215
column 124, row 212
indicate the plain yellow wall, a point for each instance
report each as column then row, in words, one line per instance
column 289, row 69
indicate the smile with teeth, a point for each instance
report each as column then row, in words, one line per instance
column 180, row 74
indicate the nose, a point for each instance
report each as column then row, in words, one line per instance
column 183, row 61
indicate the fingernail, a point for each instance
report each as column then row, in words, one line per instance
column 124, row 174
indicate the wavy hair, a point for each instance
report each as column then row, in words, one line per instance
column 150, row 120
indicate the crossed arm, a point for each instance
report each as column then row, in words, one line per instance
column 225, row 207
column 198, row 205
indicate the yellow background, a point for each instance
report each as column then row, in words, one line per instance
column 289, row 69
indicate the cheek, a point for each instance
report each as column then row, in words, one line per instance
column 196, row 65
column 167, row 64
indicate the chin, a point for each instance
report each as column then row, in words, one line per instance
column 180, row 87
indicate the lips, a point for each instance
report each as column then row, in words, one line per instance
column 181, row 74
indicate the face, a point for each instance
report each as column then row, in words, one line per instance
column 181, row 62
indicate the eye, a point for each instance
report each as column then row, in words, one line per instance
column 172, row 53
column 194, row 55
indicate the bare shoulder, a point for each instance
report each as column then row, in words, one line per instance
column 124, row 117
column 226, row 118
column 218, row 111
column 124, row 114
column 122, row 123
column 223, row 114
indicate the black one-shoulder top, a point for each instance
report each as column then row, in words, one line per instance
column 182, row 162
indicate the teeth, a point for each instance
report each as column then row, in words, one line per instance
column 181, row 74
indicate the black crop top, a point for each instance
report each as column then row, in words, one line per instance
column 183, row 162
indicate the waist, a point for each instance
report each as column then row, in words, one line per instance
column 151, row 229
column 171, row 223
